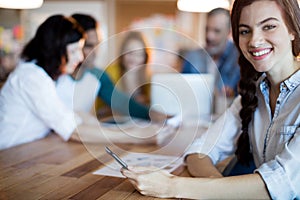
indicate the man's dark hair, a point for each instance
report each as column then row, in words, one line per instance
column 217, row 11
column 86, row 21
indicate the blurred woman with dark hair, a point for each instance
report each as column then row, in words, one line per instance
column 29, row 105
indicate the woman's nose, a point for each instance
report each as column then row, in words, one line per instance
column 256, row 39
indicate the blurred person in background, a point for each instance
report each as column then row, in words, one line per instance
column 8, row 62
column 130, row 70
column 93, row 82
column 30, row 107
column 219, row 49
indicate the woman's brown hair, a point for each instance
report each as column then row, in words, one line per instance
column 247, row 85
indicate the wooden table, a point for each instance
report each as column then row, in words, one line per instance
column 53, row 169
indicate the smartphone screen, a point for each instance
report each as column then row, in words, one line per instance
column 117, row 158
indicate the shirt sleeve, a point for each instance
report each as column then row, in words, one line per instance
column 281, row 175
column 230, row 71
column 118, row 100
column 186, row 66
column 218, row 142
column 195, row 61
column 45, row 103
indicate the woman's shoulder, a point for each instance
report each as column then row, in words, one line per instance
column 29, row 71
column 113, row 71
column 29, row 67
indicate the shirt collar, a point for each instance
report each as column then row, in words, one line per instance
column 293, row 81
column 290, row 83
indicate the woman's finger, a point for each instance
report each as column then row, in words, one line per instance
column 127, row 173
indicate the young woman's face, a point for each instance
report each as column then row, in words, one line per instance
column 135, row 56
column 264, row 38
column 75, row 56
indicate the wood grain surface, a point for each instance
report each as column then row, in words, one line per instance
column 53, row 169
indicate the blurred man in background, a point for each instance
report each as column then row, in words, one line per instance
column 219, row 51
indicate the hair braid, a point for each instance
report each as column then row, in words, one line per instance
column 247, row 90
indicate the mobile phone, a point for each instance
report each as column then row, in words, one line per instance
column 117, row 158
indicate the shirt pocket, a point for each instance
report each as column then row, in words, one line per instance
column 279, row 139
column 286, row 133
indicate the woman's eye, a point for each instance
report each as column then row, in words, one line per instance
column 244, row 32
column 269, row 27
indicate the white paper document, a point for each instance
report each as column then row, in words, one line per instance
column 169, row 163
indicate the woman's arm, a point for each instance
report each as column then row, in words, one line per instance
column 200, row 165
column 90, row 130
column 134, row 108
column 234, row 187
column 164, row 185
column 94, row 134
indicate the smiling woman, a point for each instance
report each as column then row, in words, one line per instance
column 264, row 119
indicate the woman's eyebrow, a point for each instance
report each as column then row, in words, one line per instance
column 259, row 23
column 266, row 20
column 243, row 26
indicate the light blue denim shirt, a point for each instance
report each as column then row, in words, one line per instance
column 275, row 141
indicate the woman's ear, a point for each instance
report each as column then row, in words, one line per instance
column 292, row 36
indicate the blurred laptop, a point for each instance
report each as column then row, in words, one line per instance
column 189, row 95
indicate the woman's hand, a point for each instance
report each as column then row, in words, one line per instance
column 151, row 181
column 158, row 117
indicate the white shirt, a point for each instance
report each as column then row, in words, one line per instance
column 30, row 107
column 275, row 141
column 79, row 94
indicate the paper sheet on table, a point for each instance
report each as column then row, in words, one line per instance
column 169, row 163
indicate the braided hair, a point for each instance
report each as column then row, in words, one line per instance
column 247, row 90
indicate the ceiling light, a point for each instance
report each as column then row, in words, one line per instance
column 201, row 5
column 21, row 4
